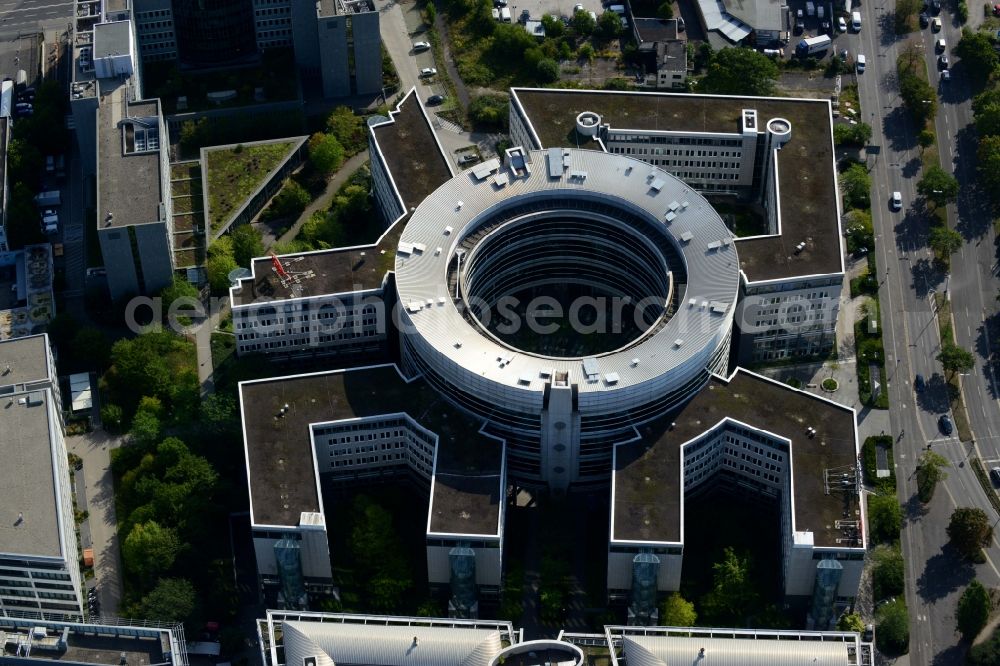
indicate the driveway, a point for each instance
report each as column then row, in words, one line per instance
column 94, row 449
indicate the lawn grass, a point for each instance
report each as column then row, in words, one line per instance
column 958, row 411
column 235, row 173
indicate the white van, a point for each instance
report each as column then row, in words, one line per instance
column 617, row 9
column 856, row 21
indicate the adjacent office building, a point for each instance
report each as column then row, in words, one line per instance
column 5, row 128
column 39, row 559
column 28, row 641
column 336, row 42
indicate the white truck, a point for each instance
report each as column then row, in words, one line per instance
column 505, row 15
column 811, row 45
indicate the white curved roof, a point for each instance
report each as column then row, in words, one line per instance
column 334, row 643
column 701, row 237
column 665, row 650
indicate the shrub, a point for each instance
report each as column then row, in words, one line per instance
column 973, row 610
column 884, row 517
column 892, row 634
column 887, row 573
column 548, row 70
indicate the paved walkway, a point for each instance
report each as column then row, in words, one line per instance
column 94, row 449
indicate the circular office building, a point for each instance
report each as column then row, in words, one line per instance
column 565, row 296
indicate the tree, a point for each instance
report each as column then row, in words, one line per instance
column 325, row 153
column 348, row 129
column 510, row 41
column 172, row 600
column 989, row 163
column 905, row 11
column 888, row 572
column 930, row 470
column 430, row 13
column 857, row 187
column 977, row 54
column 938, row 185
column 289, row 202
column 851, row 622
column 944, row 241
column 973, row 610
column 149, row 550
column 677, row 612
column 184, row 294
column 988, row 117
column 733, row 593
column 740, row 71
column 490, row 110
column 986, row 653
column 218, row 268
column 926, row 138
column 112, row 417
column 955, row 359
column 884, row 517
column 665, row 11
column 860, row 232
column 918, row 96
column 248, row 241
column 893, row 628
column 553, row 26
column 145, row 427
column 858, row 135
column 609, row 26
column 548, row 70
column 23, row 222
column 583, row 23
column 970, row 531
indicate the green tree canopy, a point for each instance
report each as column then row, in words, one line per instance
column 851, row 622
column 938, row 185
column 955, row 359
column 23, row 223
column 490, row 109
column 157, row 363
column 857, row 186
column 172, row 600
column 973, row 610
column 348, row 129
column 888, row 572
column 858, row 135
column 986, row 653
column 553, row 26
column 944, row 241
column 860, row 232
column 548, row 70
column 989, row 163
column 248, row 242
column 884, row 517
column 977, row 54
column 583, row 23
column 740, row 71
column 325, row 153
column 149, row 550
column 218, row 268
column 892, row 635
column 375, row 546
column 609, row 26
column 677, row 612
column 930, row 470
column 918, row 96
column 733, row 594
column 969, row 530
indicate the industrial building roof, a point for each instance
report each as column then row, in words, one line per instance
column 761, row 15
column 98, row 644
column 128, row 184
column 647, row 475
column 655, row 29
column 806, row 171
column 280, row 459
column 381, row 640
column 411, row 150
column 29, row 489
column 657, row 646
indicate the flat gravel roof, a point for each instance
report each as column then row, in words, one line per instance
column 648, row 473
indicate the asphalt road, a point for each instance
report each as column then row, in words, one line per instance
column 26, row 16
column 935, row 575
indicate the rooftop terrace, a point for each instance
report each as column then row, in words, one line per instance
column 280, row 459
column 320, row 273
column 648, row 473
column 806, row 177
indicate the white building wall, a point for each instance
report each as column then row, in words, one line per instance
column 790, row 318
column 718, row 162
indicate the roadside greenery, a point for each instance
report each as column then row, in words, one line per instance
column 970, row 531
column 888, row 571
column 740, row 71
column 869, row 462
column 857, row 186
column 974, row 608
column 885, row 517
column 856, row 135
column 851, row 622
column 892, row 632
column 986, row 653
column 978, row 54
column 918, row 96
column 986, row 110
column 938, row 186
column 930, row 470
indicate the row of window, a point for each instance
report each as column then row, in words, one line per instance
column 154, row 14
column 266, row 23
column 304, row 341
column 273, row 11
column 674, row 140
column 292, row 330
column 153, row 25
column 162, row 40
column 272, row 34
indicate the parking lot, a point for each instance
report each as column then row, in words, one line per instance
column 560, row 8
column 20, row 53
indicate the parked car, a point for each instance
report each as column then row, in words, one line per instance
column 941, row 45
column 925, row 20
column 918, row 383
column 860, row 63
column 427, row 72
column 421, row 46
column 467, row 159
column 897, row 201
column 946, row 75
column 434, row 100
column 868, row 635
column 936, row 24
column 800, row 26
column 936, row 6
column 841, row 24
column 995, row 475
column 943, row 61
column 945, row 424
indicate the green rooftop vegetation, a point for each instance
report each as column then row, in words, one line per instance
column 235, row 173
